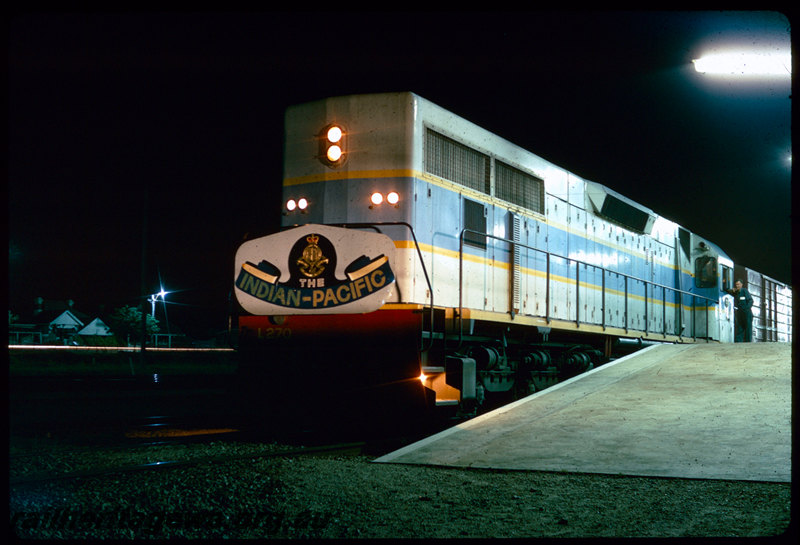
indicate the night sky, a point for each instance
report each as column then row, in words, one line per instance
column 172, row 124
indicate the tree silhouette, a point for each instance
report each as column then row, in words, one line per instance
column 126, row 322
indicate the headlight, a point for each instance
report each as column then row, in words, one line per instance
column 332, row 145
column 376, row 199
column 393, row 197
column 334, row 134
column 334, row 153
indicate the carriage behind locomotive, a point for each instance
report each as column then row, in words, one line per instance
column 426, row 257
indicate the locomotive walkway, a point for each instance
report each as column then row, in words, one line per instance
column 704, row 411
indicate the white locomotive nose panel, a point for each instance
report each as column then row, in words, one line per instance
column 315, row 269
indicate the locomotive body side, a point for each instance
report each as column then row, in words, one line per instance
column 508, row 272
column 772, row 305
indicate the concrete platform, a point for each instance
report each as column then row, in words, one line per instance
column 701, row 411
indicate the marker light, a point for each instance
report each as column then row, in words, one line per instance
column 301, row 204
column 376, row 198
column 393, row 198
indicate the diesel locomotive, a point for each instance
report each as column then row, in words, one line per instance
column 425, row 259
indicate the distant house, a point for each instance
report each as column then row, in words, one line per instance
column 57, row 321
column 96, row 328
column 60, row 324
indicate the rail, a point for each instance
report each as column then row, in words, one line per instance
column 353, row 448
column 112, row 349
column 678, row 293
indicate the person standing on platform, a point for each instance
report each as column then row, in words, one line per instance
column 743, row 303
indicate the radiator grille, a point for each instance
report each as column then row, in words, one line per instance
column 452, row 161
column 519, row 188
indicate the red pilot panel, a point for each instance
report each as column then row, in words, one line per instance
column 392, row 324
column 360, row 356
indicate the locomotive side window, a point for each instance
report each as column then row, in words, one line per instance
column 448, row 159
column 727, row 278
column 519, row 188
column 474, row 220
column 705, row 272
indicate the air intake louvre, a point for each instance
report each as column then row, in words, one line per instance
column 446, row 158
column 519, row 188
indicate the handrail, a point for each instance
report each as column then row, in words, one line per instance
column 419, row 254
column 578, row 263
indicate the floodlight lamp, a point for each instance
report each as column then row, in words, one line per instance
column 748, row 64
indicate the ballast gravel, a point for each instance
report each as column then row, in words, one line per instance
column 348, row 496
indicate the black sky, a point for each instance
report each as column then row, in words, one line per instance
column 179, row 118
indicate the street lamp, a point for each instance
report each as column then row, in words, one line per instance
column 153, row 298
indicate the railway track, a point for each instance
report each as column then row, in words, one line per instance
column 59, row 435
column 338, row 449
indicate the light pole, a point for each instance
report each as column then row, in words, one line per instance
column 153, row 298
